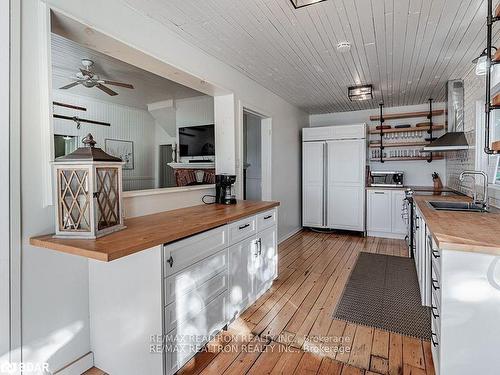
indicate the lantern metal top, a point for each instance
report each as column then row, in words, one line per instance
column 88, row 153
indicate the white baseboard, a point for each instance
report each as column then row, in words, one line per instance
column 78, row 366
column 288, row 235
column 396, row 236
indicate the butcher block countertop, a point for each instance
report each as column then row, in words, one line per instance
column 147, row 231
column 461, row 231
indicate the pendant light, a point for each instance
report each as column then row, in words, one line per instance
column 481, row 62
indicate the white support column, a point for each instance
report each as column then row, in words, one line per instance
column 4, row 183
column 225, row 135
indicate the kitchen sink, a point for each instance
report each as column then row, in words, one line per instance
column 457, row 206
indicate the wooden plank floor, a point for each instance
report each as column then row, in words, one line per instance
column 290, row 330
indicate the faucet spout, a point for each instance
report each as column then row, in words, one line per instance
column 472, row 174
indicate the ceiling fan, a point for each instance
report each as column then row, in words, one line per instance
column 88, row 78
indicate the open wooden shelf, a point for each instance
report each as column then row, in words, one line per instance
column 400, row 144
column 408, row 158
column 496, row 57
column 495, row 146
column 404, row 130
column 395, row 116
column 496, row 100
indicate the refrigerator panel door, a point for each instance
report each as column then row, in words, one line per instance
column 313, row 182
column 345, row 184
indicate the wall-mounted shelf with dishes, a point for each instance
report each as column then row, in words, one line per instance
column 404, row 142
column 492, row 104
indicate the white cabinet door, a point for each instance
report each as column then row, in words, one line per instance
column 345, row 192
column 398, row 224
column 313, row 183
column 125, row 304
column 379, row 211
column 267, row 261
column 241, row 272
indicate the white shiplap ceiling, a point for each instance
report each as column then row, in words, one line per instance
column 148, row 87
column 407, row 49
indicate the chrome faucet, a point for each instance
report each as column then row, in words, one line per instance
column 472, row 174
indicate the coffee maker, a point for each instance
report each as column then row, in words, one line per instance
column 224, row 189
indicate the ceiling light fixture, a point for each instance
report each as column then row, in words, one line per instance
column 362, row 92
column 481, row 62
column 303, row 3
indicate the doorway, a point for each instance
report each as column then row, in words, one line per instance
column 252, row 156
column 166, row 173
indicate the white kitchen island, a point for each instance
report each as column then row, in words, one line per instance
column 152, row 309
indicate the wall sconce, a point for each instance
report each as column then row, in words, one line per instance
column 363, row 92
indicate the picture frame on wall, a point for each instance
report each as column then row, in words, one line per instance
column 121, row 149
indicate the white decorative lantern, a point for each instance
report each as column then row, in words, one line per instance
column 89, row 192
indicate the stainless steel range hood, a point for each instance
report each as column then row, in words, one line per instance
column 454, row 139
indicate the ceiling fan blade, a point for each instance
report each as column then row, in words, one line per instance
column 69, row 85
column 107, row 90
column 126, row 85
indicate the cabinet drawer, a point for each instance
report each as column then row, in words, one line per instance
column 266, row 219
column 181, row 254
column 187, row 305
column 194, row 276
column 242, row 229
column 191, row 335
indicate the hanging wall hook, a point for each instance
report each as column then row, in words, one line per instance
column 77, row 121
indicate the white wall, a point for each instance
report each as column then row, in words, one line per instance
column 4, row 183
column 194, row 111
column 55, row 286
column 127, row 123
column 416, row 172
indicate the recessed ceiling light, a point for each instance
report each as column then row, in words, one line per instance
column 344, row 46
column 303, row 3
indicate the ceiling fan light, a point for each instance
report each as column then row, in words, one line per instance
column 361, row 92
column 302, row 3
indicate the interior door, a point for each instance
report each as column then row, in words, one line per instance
column 345, row 191
column 313, row 184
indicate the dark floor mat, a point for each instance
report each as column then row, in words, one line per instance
column 383, row 292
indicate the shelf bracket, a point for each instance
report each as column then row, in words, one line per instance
column 381, row 105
